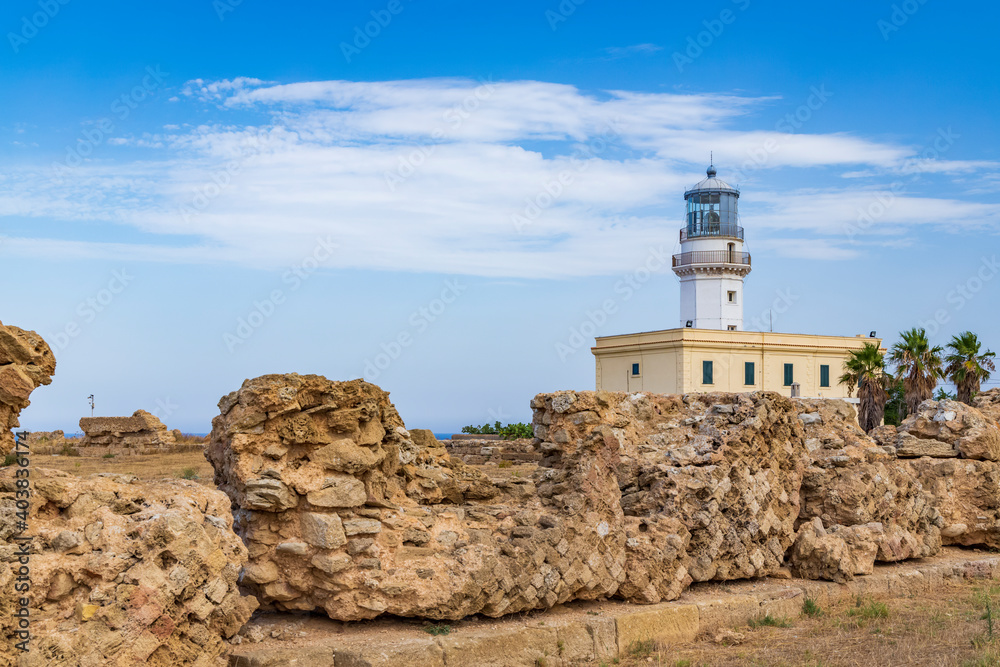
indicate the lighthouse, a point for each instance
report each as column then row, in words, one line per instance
column 712, row 264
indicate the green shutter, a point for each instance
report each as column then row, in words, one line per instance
column 706, row 372
column 789, row 375
column 824, row 376
column 749, row 374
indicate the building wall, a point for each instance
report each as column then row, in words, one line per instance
column 704, row 294
column 672, row 361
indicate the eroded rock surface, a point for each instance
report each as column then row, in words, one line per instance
column 636, row 496
column 859, row 502
column 946, row 429
column 123, row 573
column 142, row 433
column 26, row 362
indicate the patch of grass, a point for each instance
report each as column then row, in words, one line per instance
column 642, row 649
column 505, row 464
column 541, row 662
column 683, row 663
column 561, row 645
column 869, row 611
column 438, row 630
column 69, row 451
column 768, row 621
column 109, row 455
column 9, row 460
column 189, row 473
column 810, row 608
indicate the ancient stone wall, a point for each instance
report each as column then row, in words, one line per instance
column 637, row 496
column 142, row 433
column 123, row 573
column 26, row 362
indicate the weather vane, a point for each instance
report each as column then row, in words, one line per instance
column 91, row 399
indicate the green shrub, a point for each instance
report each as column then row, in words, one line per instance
column 768, row 621
column 869, row 611
column 437, row 630
column 810, row 608
column 69, row 451
column 508, row 432
column 642, row 649
column 504, row 464
column 189, row 473
column 109, row 455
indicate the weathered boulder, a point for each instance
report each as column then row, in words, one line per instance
column 967, row 495
column 944, row 429
column 853, row 482
column 835, row 555
column 124, row 573
column 344, row 512
column 988, row 402
column 26, row 362
column 709, row 482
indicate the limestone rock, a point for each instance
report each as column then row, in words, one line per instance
column 965, row 429
column 837, row 555
column 908, row 446
column 143, row 432
column 988, row 402
column 148, row 573
column 967, row 495
column 26, row 363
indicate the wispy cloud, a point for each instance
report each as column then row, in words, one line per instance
column 604, row 171
column 615, row 52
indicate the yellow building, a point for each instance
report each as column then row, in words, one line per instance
column 679, row 361
column 712, row 352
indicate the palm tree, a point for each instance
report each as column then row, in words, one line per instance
column 865, row 369
column 918, row 365
column 967, row 368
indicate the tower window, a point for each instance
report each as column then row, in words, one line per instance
column 706, row 372
column 749, row 374
column 732, row 297
column 789, row 374
column 732, row 327
column 824, row 376
column 635, row 370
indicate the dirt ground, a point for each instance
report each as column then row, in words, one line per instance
column 188, row 465
column 948, row 626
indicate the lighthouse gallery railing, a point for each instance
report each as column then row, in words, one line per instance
column 712, row 257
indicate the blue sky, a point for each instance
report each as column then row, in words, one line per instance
column 201, row 192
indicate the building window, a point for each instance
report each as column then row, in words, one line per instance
column 824, row 376
column 749, row 374
column 635, row 370
column 789, row 375
column 732, row 297
column 732, row 327
column 706, row 372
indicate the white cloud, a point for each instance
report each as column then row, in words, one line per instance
column 506, row 179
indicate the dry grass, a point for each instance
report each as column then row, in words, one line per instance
column 942, row 627
column 186, row 465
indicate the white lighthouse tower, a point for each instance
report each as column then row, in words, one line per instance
column 712, row 264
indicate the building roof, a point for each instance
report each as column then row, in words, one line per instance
column 712, row 184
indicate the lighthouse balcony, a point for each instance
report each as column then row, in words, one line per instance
column 712, row 230
column 712, row 257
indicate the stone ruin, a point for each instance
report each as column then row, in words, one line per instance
column 636, row 497
column 329, row 504
column 26, row 362
column 142, row 433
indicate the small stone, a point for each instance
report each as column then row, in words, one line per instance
column 362, row 526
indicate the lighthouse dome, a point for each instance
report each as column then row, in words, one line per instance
column 712, row 184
